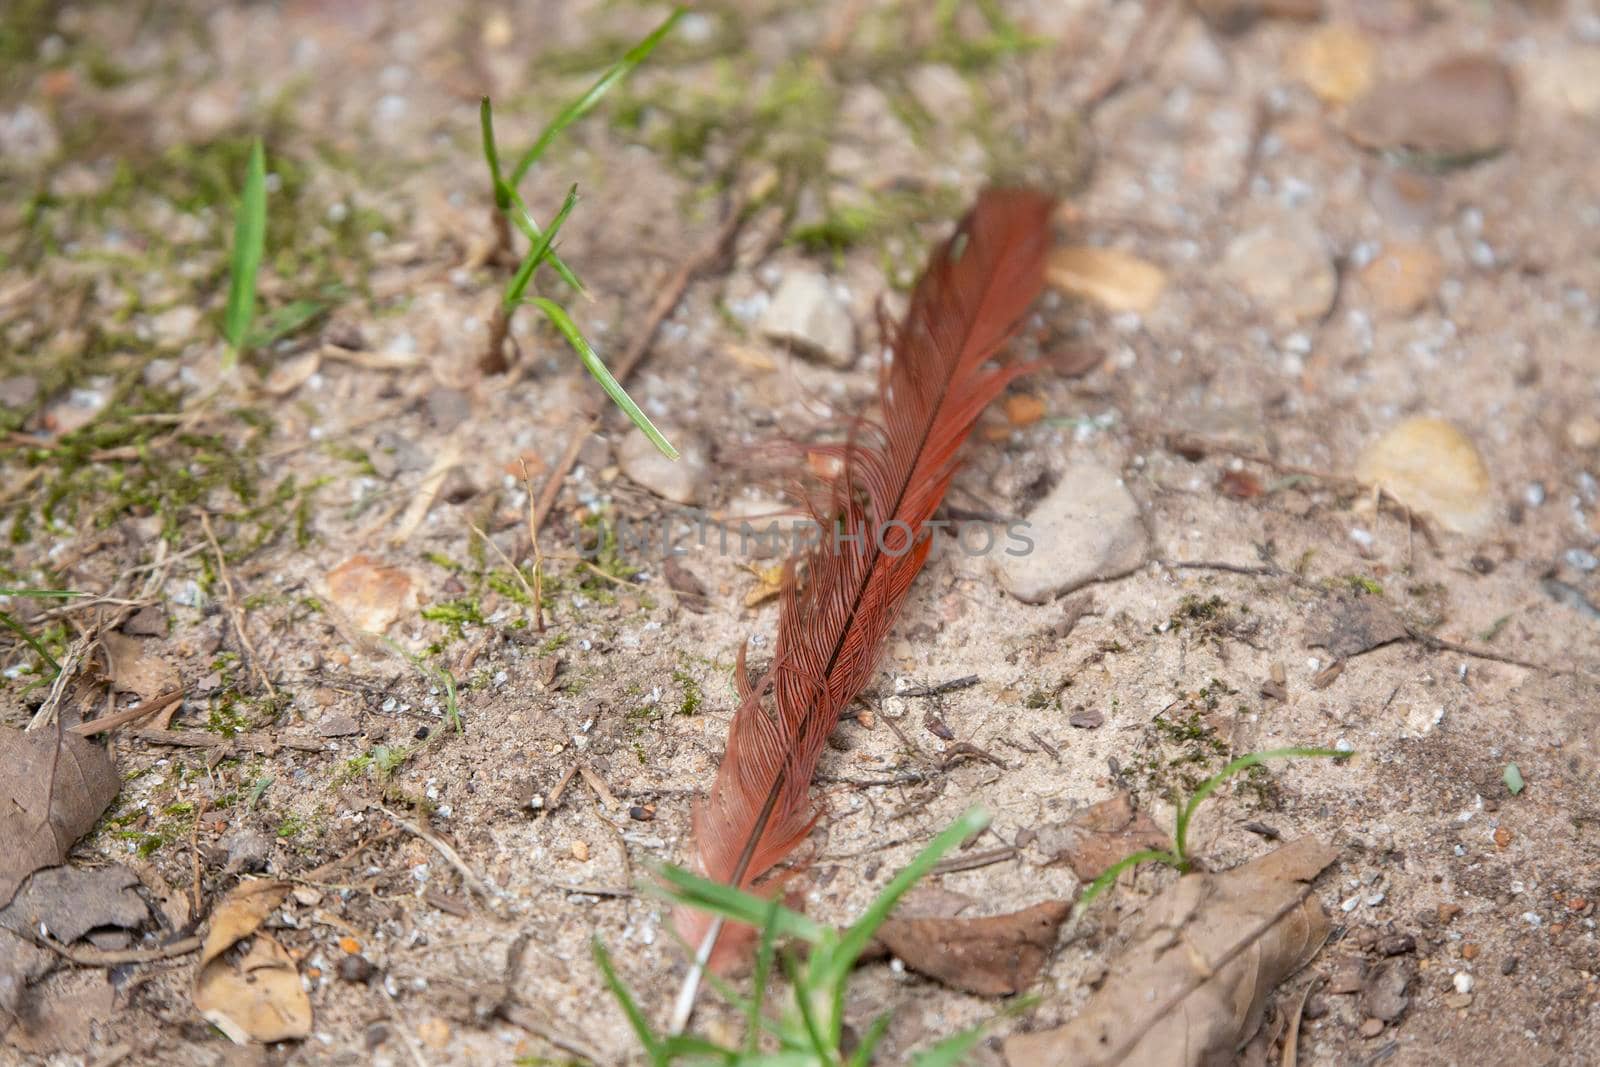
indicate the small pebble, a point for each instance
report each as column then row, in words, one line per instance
column 1372, row 1028
column 1463, row 982
column 356, row 968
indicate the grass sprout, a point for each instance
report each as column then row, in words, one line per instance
column 249, row 242
column 1177, row 857
column 541, row 240
column 807, row 1028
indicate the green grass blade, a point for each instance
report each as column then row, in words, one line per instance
column 530, row 229
column 491, row 154
column 854, row 940
column 1180, row 836
column 44, row 594
column 736, row 904
column 281, row 322
column 32, row 642
column 249, row 240
column 585, row 103
column 563, row 323
column 630, row 1007
column 802, row 998
column 869, row 1041
column 1113, row 872
column 539, row 252
column 758, row 993
column 506, row 199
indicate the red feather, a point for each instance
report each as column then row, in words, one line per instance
column 892, row 477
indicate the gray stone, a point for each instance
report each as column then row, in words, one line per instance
column 807, row 314
column 678, row 480
column 1384, row 994
column 1088, row 527
column 248, row 851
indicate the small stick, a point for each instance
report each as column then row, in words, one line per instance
column 441, row 846
column 235, row 612
column 156, row 703
column 974, row 861
column 939, row 688
column 94, row 957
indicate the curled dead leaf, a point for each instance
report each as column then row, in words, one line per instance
column 1355, row 625
column 1193, row 984
column 136, row 666
column 1100, row 835
column 256, row 996
column 48, row 799
column 994, row 956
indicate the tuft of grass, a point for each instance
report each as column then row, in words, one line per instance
column 27, row 638
column 808, row 1029
column 249, row 242
column 1178, row 856
column 541, row 250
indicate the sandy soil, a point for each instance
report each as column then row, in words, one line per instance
column 375, row 433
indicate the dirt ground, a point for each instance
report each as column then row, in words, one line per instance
column 215, row 515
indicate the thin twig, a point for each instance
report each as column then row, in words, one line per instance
column 94, row 957
column 157, row 703
column 236, row 613
column 468, row 876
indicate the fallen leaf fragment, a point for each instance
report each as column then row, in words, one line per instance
column 47, row 799
column 1190, row 989
column 769, row 583
column 68, row 902
column 1100, row 835
column 1114, row 279
column 1459, row 109
column 1355, row 625
column 256, row 996
column 1432, row 467
column 994, row 956
column 136, row 667
column 61, row 1017
column 691, row 593
column 371, row 593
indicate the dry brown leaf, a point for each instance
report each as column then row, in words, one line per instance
column 1111, row 278
column 257, row 997
column 1100, row 835
column 47, row 799
column 136, row 666
column 68, row 902
column 1190, row 989
column 60, row 1017
column 994, row 956
column 371, row 593
column 1354, row 625
column 691, row 593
